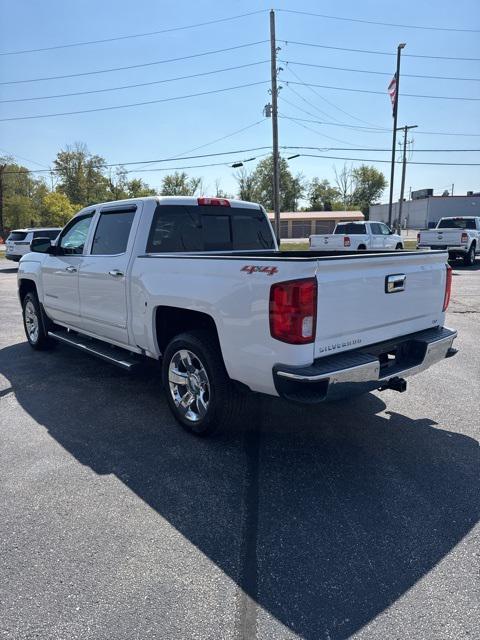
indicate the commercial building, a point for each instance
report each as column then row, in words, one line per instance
column 426, row 212
column 302, row 224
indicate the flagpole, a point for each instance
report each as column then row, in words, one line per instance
column 394, row 137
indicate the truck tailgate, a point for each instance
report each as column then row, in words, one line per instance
column 441, row 237
column 355, row 308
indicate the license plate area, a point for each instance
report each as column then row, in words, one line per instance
column 395, row 358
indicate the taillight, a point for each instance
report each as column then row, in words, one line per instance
column 293, row 311
column 346, row 241
column 464, row 237
column 448, row 288
column 214, row 202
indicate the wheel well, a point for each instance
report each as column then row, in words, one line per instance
column 474, row 244
column 26, row 286
column 361, row 247
column 399, row 245
column 171, row 321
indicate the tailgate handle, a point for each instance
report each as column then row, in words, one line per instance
column 395, row 283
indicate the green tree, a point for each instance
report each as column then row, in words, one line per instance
column 321, row 195
column 179, row 184
column 56, row 209
column 368, row 186
column 20, row 196
column 292, row 188
column 246, row 184
column 137, row 188
column 81, row 175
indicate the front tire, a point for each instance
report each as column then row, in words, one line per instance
column 399, row 247
column 469, row 259
column 33, row 322
column 199, row 392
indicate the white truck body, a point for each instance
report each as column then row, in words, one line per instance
column 460, row 236
column 19, row 240
column 358, row 236
column 366, row 305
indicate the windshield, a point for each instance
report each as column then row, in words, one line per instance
column 456, row 223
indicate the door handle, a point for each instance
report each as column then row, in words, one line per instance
column 116, row 273
column 71, row 269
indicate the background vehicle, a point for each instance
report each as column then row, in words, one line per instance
column 358, row 236
column 201, row 284
column 19, row 241
column 459, row 236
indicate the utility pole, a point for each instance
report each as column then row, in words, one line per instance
column 2, row 229
column 404, row 167
column 452, row 189
column 274, row 91
column 394, row 138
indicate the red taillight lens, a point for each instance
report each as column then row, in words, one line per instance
column 293, row 311
column 346, row 241
column 214, row 202
column 448, row 288
column 464, row 237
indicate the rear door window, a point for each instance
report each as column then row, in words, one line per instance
column 112, row 232
column 376, row 229
column 202, row 228
column 17, row 236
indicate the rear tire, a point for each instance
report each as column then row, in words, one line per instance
column 199, row 392
column 33, row 322
column 469, row 259
column 399, row 247
column 362, row 247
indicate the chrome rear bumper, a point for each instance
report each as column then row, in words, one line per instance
column 364, row 369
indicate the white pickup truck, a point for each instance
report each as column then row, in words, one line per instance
column 459, row 236
column 358, row 236
column 201, row 285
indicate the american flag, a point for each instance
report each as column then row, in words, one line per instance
column 392, row 90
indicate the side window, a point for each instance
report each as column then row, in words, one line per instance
column 384, row 229
column 376, row 229
column 112, row 232
column 75, row 234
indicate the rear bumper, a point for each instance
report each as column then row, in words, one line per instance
column 450, row 249
column 365, row 369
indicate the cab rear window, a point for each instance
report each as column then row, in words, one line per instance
column 351, row 229
column 457, row 223
column 178, row 228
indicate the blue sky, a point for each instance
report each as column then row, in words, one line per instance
column 172, row 128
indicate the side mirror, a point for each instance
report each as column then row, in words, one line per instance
column 41, row 245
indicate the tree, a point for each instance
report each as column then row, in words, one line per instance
column 56, row 209
column 292, row 188
column 81, row 175
column 179, row 184
column 368, row 186
column 137, row 188
column 321, row 195
column 343, row 180
column 20, row 202
column 246, row 184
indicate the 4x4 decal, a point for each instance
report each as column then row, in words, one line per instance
column 251, row 268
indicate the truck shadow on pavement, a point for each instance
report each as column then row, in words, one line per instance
column 323, row 516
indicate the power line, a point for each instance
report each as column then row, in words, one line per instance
column 380, row 73
column 171, row 159
column 387, row 150
column 377, row 53
column 350, row 115
column 131, row 86
column 304, row 126
column 382, row 93
column 135, row 35
column 15, row 155
column 378, row 23
column 377, row 129
column 447, row 164
column 133, row 104
column 137, row 66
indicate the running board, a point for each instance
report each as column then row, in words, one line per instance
column 103, row 350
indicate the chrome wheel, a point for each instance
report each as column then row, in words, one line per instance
column 31, row 322
column 189, row 385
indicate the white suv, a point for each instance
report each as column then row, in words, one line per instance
column 19, row 240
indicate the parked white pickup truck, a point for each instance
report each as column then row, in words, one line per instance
column 201, row 285
column 459, row 236
column 358, row 236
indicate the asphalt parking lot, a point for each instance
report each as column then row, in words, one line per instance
column 350, row 520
